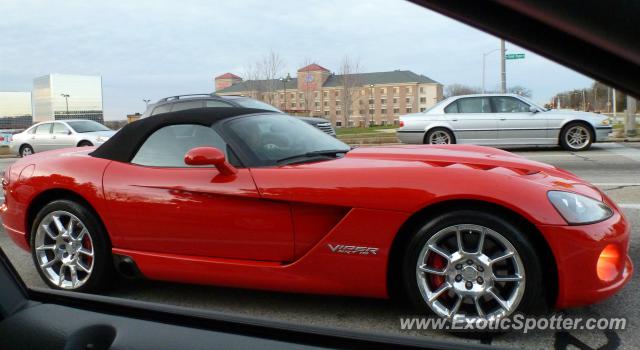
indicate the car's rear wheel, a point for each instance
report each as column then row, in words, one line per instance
column 576, row 137
column 26, row 150
column 70, row 248
column 439, row 136
column 470, row 264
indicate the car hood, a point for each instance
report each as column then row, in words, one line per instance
column 446, row 155
column 595, row 117
column 409, row 177
column 480, row 159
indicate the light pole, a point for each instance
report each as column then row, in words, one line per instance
column 373, row 104
column 146, row 102
column 284, row 81
column 503, row 68
column 484, row 58
column 66, row 101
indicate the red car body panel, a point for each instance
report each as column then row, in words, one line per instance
column 277, row 228
column 197, row 215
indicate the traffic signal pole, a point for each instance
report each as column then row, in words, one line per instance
column 630, row 117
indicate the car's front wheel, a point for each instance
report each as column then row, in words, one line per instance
column 471, row 264
column 439, row 136
column 70, row 249
column 576, row 137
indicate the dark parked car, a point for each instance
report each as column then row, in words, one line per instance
column 184, row 102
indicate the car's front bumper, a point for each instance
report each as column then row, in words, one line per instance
column 581, row 262
column 602, row 133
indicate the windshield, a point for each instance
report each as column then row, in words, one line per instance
column 82, row 126
column 270, row 138
column 251, row 103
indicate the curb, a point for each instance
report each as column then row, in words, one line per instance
column 623, row 139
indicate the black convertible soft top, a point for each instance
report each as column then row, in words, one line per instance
column 125, row 143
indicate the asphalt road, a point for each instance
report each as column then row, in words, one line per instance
column 614, row 167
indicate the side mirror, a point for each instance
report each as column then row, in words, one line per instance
column 533, row 109
column 68, row 132
column 209, row 156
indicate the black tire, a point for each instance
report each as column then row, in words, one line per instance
column 103, row 272
column 431, row 132
column 533, row 300
column 85, row 144
column 567, row 128
column 25, row 148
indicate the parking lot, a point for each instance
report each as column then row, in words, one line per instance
column 614, row 167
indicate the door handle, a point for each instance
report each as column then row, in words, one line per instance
column 503, row 119
column 454, row 120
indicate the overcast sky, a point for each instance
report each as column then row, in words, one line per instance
column 153, row 49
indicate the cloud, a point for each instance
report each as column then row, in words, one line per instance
column 152, row 49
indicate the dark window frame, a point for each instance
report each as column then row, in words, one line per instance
column 38, row 126
column 494, row 106
column 67, row 129
column 491, row 109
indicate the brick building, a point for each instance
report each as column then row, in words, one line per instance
column 354, row 99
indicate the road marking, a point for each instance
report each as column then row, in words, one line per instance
column 616, row 183
column 567, row 155
column 627, row 152
column 630, row 205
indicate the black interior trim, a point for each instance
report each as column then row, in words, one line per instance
column 597, row 38
column 239, row 325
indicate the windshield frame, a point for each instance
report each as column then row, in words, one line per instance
column 247, row 155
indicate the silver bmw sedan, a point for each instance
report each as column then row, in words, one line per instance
column 502, row 119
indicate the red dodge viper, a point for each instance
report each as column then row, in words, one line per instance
column 255, row 199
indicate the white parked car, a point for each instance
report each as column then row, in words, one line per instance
column 502, row 119
column 47, row 136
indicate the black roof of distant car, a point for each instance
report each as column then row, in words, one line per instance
column 125, row 143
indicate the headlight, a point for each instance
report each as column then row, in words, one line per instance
column 577, row 209
column 605, row 122
column 101, row 139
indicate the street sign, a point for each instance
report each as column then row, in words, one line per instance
column 514, row 56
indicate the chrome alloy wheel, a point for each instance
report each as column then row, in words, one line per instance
column 577, row 136
column 470, row 271
column 64, row 250
column 439, row 137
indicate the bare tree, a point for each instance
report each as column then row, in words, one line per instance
column 520, row 90
column 598, row 97
column 351, row 83
column 459, row 89
column 251, row 76
column 271, row 68
column 262, row 77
